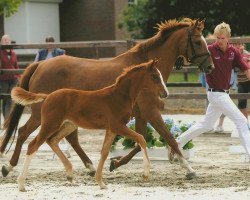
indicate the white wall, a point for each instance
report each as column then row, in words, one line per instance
column 34, row 20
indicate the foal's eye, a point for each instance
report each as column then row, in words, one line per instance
column 155, row 77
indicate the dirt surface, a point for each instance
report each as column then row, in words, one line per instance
column 220, row 175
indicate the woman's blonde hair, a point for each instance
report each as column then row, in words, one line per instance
column 222, row 28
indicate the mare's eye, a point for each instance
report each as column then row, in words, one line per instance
column 198, row 43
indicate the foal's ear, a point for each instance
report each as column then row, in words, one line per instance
column 152, row 64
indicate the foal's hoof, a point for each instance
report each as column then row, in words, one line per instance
column 190, row 176
column 5, row 171
column 70, row 178
column 22, row 190
column 91, row 173
column 145, row 178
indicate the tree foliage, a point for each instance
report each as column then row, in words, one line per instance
column 140, row 19
column 9, row 7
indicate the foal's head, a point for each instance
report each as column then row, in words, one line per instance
column 153, row 79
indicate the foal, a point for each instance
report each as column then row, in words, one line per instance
column 109, row 108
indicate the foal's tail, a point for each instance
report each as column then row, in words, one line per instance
column 24, row 97
column 11, row 123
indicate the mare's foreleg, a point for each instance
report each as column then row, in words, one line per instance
column 140, row 127
column 72, row 138
column 23, row 133
column 157, row 122
column 109, row 137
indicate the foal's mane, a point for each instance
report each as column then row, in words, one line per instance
column 129, row 70
column 164, row 31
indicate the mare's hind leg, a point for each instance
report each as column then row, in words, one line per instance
column 72, row 138
column 23, row 133
column 109, row 137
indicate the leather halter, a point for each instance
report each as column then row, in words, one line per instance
column 194, row 54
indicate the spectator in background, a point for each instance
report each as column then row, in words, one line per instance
column 7, row 81
column 44, row 54
column 243, row 81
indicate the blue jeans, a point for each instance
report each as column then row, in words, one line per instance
column 6, row 87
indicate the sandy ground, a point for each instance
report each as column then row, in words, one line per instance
column 220, row 175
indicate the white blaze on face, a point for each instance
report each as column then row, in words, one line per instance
column 162, row 82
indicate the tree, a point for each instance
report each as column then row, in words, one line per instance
column 9, row 7
column 140, row 19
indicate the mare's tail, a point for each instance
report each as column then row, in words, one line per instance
column 11, row 123
column 24, row 97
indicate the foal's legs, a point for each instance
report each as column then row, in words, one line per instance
column 149, row 110
column 109, row 137
column 30, row 126
column 66, row 128
column 32, row 148
column 47, row 130
column 72, row 138
column 140, row 127
column 125, row 131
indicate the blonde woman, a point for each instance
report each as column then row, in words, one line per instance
column 225, row 58
column 7, row 81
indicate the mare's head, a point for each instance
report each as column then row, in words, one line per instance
column 177, row 38
column 194, row 47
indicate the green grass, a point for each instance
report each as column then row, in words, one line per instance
column 179, row 77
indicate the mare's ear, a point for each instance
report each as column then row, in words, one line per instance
column 195, row 25
column 198, row 26
column 152, row 64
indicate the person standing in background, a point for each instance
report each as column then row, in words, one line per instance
column 44, row 54
column 7, row 81
column 243, row 81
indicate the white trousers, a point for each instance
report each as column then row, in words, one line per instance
column 219, row 102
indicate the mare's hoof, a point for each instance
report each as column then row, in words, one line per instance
column 190, row 176
column 5, row 171
column 91, row 173
column 112, row 166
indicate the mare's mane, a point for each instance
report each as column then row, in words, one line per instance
column 164, row 31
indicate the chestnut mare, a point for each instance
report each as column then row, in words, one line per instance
column 174, row 38
column 109, row 108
